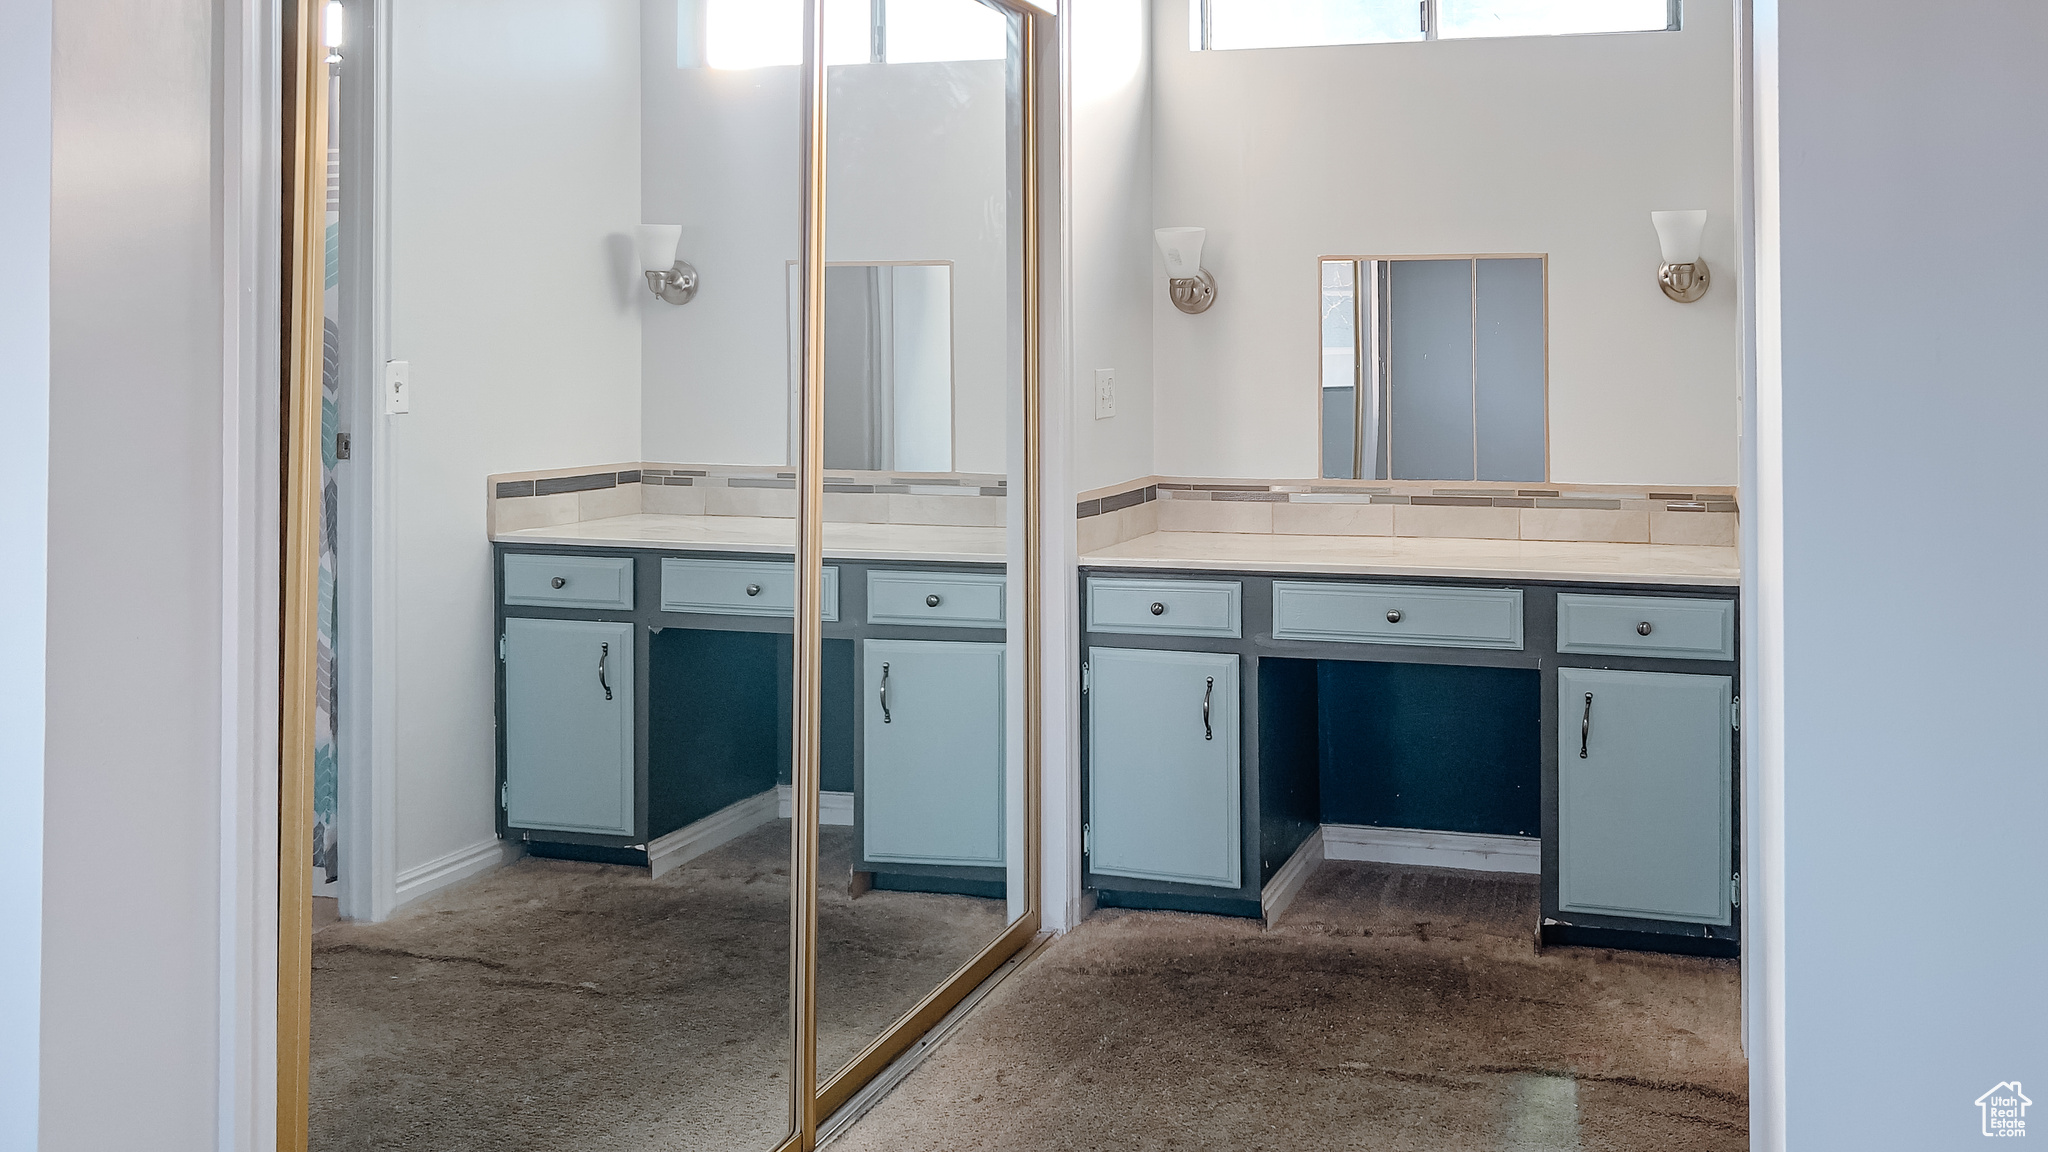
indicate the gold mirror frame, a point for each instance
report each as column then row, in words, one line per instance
column 303, row 276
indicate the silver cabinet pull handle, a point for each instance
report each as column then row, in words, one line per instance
column 1586, row 726
column 559, row 582
column 932, row 601
column 753, row 589
column 1158, row 609
column 886, row 718
column 604, row 653
column 1643, row 629
column 1393, row 615
column 1208, row 690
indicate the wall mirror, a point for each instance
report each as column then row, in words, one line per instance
column 614, row 869
column 1435, row 368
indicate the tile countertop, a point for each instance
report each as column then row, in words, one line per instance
column 1574, row 561
column 934, row 543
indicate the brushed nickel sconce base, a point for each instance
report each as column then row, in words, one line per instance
column 678, row 285
column 1684, row 283
column 1193, row 294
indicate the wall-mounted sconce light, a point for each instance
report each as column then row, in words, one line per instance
column 1684, row 274
column 667, row 275
column 1190, row 286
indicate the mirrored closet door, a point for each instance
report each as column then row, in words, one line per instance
column 660, row 630
column 922, row 828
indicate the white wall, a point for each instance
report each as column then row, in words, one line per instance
column 721, row 156
column 25, row 481
column 132, row 921
column 1558, row 145
column 514, row 170
column 917, row 152
column 1109, row 207
column 1914, row 800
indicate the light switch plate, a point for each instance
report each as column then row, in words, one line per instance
column 397, row 387
column 1105, row 393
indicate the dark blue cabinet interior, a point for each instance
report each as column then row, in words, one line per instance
column 1440, row 746
column 718, row 720
column 1395, row 745
column 715, row 732
column 838, row 700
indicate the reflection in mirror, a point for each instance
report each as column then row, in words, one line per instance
column 924, row 329
column 572, row 724
column 1435, row 369
column 888, row 366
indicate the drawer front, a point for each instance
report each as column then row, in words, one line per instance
column 1659, row 626
column 944, row 599
column 1166, row 607
column 1398, row 614
column 739, row 587
column 569, row 581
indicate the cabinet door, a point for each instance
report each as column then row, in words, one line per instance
column 569, row 726
column 1644, row 801
column 1163, row 766
column 932, row 752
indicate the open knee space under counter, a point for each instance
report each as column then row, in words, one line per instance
column 1241, row 726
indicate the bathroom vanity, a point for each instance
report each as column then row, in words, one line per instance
column 645, row 686
column 1563, row 707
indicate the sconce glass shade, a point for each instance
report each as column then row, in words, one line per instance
column 657, row 245
column 1678, row 234
column 1182, row 248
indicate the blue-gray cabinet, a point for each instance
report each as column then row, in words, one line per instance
column 932, row 742
column 1164, row 774
column 569, row 757
column 1645, row 761
column 1384, row 707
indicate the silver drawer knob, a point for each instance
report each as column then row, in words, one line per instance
column 932, row 601
column 1643, row 629
column 1158, row 609
column 753, row 589
column 559, row 582
column 1393, row 615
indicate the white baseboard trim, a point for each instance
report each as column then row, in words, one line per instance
column 666, row 853
column 1467, row 850
column 833, row 807
column 1286, row 884
column 455, row 867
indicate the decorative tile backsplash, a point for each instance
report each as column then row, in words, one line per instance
column 1605, row 513
column 520, row 500
column 1591, row 512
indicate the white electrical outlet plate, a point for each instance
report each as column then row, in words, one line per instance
column 1105, row 393
column 397, row 387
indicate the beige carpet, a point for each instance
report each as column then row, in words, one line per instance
column 554, row 1005
column 1391, row 1009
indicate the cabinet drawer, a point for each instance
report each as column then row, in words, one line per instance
column 569, row 581
column 1398, row 614
column 739, row 587
column 1166, row 607
column 945, row 599
column 1660, row 626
